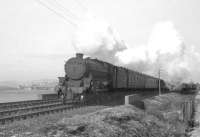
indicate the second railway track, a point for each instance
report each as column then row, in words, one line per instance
column 29, row 108
column 19, row 104
column 8, row 116
column 13, row 111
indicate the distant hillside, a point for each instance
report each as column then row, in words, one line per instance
column 34, row 84
column 7, row 88
column 8, row 85
column 44, row 84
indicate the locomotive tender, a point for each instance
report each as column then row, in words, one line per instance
column 86, row 75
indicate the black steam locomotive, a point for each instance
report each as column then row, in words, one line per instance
column 86, row 75
column 186, row 88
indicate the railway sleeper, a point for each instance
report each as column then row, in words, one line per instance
column 32, row 108
column 37, row 113
column 25, row 103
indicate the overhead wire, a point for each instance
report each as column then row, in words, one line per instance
column 67, row 11
column 81, row 5
column 57, row 13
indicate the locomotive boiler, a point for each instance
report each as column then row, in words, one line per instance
column 85, row 75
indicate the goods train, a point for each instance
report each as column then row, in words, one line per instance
column 86, row 75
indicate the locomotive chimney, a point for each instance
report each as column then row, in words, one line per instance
column 79, row 55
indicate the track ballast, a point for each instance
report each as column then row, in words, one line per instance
column 23, row 111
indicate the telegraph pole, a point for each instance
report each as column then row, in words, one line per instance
column 159, row 89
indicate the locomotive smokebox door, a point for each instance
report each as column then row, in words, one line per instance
column 75, row 68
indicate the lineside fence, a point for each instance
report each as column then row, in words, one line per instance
column 169, row 106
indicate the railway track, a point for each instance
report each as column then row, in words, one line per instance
column 12, row 111
column 29, row 108
column 8, row 116
column 19, row 104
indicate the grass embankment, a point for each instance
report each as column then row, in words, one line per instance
column 26, row 128
column 123, row 121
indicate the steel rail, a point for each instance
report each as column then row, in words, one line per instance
column 10, row 105
column 12, row 118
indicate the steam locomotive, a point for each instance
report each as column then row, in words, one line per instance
column 186, row 88
column 85, row 76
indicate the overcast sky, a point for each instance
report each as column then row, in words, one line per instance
column 35, row 42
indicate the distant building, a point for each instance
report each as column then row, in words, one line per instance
column 39, row 85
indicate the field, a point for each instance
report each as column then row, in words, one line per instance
column 19, row 95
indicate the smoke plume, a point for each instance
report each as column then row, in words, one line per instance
column 96, row 38
column 165, row 50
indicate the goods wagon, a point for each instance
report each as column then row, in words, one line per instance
column 86, row 75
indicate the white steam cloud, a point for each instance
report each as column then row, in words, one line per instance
column 165, row 49
column 96, row 38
